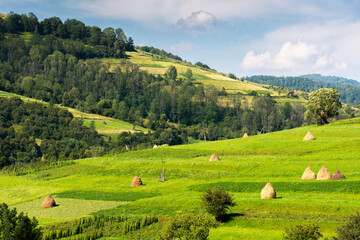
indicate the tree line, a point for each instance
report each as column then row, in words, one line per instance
column 349, row 93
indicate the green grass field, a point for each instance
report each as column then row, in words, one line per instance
column 245, row 167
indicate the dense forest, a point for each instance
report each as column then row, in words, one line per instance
column 349, row 92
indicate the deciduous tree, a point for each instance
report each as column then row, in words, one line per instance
column 322, row 105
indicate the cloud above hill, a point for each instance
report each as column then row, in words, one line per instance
column 200, row 20
column 297, row 56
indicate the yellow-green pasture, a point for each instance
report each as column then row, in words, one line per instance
column 244, row 168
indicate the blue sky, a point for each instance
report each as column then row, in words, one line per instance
column 275, row 37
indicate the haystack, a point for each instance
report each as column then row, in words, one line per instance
column 337, row 175
column 268, row 192
column 136, row 182
column 49, row 202
column 323, row 174
column 308, row 174
column 309, row 137
column 155, row 146
column 214, row 158
column 245, row 135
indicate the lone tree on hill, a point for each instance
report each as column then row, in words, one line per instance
column 323, row 104
column 216, row 202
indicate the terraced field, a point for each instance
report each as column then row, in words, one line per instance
column 101, row 186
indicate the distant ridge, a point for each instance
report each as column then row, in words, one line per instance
column 349, row 89
column 319, row 77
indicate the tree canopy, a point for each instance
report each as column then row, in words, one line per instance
column 322, row 105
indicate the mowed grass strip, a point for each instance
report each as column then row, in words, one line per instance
column 66, row 209
column 329, row 186
column 106, row 196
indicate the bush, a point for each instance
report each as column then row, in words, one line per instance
column 17, row 227
column 216, row 202
column 302, row 232
column 189, row 226
column 351, row 230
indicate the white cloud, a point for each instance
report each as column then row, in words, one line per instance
column 295, row 57
column 183, row 46
column 200, row 20
column 334, row 46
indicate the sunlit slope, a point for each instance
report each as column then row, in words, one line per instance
column 157, row 65
column 245, row 166
column 103, row 125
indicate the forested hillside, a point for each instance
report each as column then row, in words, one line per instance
column 319, row 77
column 349, row 93
column 56, row 62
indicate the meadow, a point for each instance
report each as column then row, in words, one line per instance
column 101, row 186
column 154, row 64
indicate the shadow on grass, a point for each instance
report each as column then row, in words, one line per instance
column 231, row 216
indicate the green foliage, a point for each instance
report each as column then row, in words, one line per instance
column 188, row 74
column 17, row 227
column 302, row 232
column 188, row 226
column 171, row 73
column 231, row 75
column 159, row 52
column 351, row 230
column 202, row 65
column 63, row 137
column 322, row 105
column 217, row 201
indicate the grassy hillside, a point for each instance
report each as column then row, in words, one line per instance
column 101, row 186
column 111, row 128
column 158, row 65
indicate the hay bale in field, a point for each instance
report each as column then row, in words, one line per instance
column 268, row 192
column 136, row 182
column 49, row 202
column 309, row 137
column 323, row 174
column 214, row 158
column 103, row 122
column 308, row 174
column 337, row 175
column 155, row 146
column 245, row 135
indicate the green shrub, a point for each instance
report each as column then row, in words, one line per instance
column 302, row 232
column 189, row 226
column 216, row 202
column 351, row 230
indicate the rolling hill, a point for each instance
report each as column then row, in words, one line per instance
column 156, row 64
column 101, row 186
